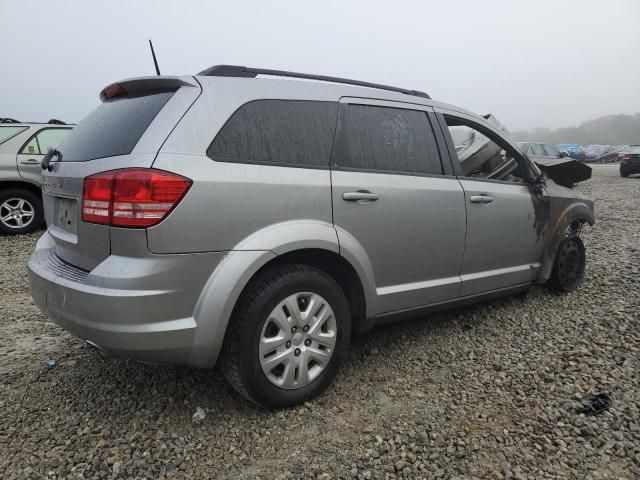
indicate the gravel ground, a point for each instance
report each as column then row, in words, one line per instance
column 489, row 391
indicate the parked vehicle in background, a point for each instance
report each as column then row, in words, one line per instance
column 573, row 150
column 22, row 148
column 600, row 153
column 630, row 161
column 259, row 217
column 541, row 150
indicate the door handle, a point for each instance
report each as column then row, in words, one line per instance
column 31, row 161
column 360, row 195
column 481, row 199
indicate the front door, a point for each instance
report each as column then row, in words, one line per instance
column 505, row 222
column 391, row 198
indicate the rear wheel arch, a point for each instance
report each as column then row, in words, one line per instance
column 219, row 299
column 339, row 269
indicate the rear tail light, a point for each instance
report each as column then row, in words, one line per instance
column 132, row 197
column 624, row 157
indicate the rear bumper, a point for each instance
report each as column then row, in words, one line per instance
column 139, row 307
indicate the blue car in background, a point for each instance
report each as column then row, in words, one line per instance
column 573, row 150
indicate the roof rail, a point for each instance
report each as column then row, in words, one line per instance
column 248, row 72
column 55, row 121
column 8, row 120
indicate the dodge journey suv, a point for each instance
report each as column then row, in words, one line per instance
column 265, row 218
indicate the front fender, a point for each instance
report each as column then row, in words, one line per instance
column 578, row 210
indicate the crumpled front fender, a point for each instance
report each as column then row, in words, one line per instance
column 565, row 212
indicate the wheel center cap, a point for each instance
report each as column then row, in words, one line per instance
column 297, row 339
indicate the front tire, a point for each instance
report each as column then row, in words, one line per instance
column 569, row 265
column 287, row 337
column 20, row 211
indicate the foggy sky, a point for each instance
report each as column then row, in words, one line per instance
column 537, row 63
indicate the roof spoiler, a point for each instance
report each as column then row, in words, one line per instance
column 140, row 86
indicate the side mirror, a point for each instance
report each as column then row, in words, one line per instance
column 563, row 154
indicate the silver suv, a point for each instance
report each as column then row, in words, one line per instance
column 22, row 147
column 268, row 218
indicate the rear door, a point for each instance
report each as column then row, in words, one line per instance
column 29, row 157
column 125, row 131
column 392, row 196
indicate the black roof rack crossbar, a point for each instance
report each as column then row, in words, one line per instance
column 247, row 72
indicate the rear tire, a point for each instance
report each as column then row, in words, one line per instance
column 569, row 265
column 624, row 173
column 20, row 211
column 287, row 337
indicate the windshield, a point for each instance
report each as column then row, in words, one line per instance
column 113, row 128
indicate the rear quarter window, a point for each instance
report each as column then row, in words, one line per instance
column 278, row 132
column 113, row 128
column 7, row 132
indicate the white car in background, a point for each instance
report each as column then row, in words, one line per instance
column 22, row 148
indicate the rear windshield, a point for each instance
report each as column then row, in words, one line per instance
column 633, row 149
column 113, row 128
column 8, row 132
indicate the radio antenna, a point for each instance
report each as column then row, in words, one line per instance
column 155, row 61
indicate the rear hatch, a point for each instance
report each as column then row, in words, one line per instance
column 125, row 131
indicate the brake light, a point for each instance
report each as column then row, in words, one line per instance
column 132, row 197
column 625, row 157
column 112, row 91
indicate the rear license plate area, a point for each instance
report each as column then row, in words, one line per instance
column 65, row 214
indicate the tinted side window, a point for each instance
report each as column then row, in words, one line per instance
column 384, row 138
column 293, row 132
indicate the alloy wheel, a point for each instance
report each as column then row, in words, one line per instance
column 16, row 213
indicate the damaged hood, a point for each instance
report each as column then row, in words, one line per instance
column 564, row 171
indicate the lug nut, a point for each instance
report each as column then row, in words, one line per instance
column 294, row 329
column 297, row 352
column 289, row 344
column 305, row 328
column 307, row 342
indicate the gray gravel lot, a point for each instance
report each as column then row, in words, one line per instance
column 489, row 391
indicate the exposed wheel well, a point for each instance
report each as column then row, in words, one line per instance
column 23, row 185
column 341, row 271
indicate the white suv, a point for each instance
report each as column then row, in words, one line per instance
column 22, row 147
